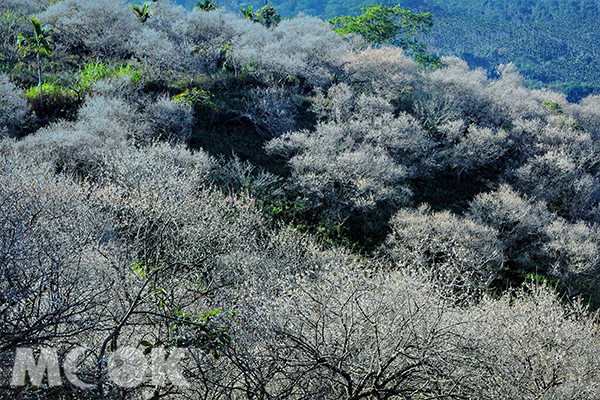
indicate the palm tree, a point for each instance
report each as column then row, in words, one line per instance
column 268, row 16
column 248, row 14
column 206, row 5
column 38, row 44
column 142, row 13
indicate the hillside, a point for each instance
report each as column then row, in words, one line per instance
column 198, row 205
column 553, row 43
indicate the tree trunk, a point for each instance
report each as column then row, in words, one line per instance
column 39, row 68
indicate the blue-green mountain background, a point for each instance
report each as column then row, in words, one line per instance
column 554, row 43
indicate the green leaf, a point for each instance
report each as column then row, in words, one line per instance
column 381, row 24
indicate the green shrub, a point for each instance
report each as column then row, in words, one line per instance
column 192, row 97
column 96, row 71
column 58, row 101
column 50, row 91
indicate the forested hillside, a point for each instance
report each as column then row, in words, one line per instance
column 201, row 204
column 553, row 43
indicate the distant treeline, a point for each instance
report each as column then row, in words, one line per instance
column 553, row 43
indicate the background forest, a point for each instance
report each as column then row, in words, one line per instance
column 310, row 215
column 553, row 43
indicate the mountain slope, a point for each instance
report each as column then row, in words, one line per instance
column 553, row 43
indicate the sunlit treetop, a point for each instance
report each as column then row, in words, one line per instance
column 380, row 24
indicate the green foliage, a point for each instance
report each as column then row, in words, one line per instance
column 59, row 101
column 142, row 270
column 142, row 13
column 206, row 5
column 426, row 60
column 36, row 45
column 553, row 43
column 556, row 49
column 553, row 106
column 92, row 72
column 10, row 22
column 193, row 96
column 247, row 12
column 95, row 71
column 380, row 24
column 185, row 328
column 537, row 279
column 39, row 43
column 50, row 90
column 287, row 211
column 268, row 16
column 198, row 330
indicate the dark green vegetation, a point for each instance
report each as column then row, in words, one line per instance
column 553, row 43
column 383, row 25
column 309, row 215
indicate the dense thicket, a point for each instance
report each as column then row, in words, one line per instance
column 552, row 42
column 306, row 218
